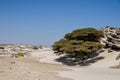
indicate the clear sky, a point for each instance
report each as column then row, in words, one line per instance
column 46, row 21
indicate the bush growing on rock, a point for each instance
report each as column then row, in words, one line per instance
column 80, row 44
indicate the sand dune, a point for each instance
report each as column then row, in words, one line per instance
column 99, row 70
column 41, row 65
column 108, row 61
column 46, row 55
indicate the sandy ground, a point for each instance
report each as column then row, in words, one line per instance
column 28, row 69
column 46, row 56
column 43, row 66
column 92, row 74
column 99, row 70
column 108, row 61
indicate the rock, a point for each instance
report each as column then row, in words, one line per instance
column 1, row 71
column 1, row 47
column 116, row 66
column 14, row 56
column 109, row 50
column 118, row 57
column 111, row 38
column 12, row 62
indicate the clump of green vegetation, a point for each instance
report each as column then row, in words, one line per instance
column 80, row 44
column 21, row 54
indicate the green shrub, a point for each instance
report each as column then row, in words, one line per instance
column 85, row 34
column 80, row 43
column 21, row 54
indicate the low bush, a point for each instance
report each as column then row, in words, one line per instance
column 21, row 54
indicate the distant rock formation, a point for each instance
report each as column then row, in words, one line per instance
column 13, row 49
column 111, row 38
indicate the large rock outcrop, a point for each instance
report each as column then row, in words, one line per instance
column 111, row 38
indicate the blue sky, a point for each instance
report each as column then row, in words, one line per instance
column 46, row 21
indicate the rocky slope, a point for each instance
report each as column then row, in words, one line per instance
column 111, row 41
column 11, row 50
column 111, row 38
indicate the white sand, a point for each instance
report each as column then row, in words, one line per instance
column 92, row 74
column 32, row 69
column 97, row 71
column 46, row 56
column 28, row 69
column 108, row 61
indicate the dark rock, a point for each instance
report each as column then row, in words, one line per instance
column 2, row 47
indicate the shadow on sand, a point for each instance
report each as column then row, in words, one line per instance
column 67, row 61
column 70, row 62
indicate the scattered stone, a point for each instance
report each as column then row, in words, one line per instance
column 13, row 49
column 14, row 56
column 12, row 62
column 1, row 71
column 116, row 66
column 10, row 68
